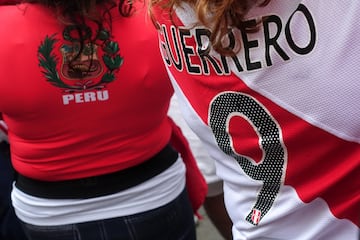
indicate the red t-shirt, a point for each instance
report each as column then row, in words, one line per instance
column 64, row 128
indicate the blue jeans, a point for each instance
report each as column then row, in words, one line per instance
column 174, row 221
column 10, row 228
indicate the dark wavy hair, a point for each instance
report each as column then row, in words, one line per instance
column 77, row 12
column 84, row 8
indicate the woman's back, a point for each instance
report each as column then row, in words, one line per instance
column 62, row 126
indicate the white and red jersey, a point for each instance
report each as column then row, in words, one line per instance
column 281, row 118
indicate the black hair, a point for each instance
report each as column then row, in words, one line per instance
column 75, row 13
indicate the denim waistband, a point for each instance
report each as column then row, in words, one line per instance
column 4, row 146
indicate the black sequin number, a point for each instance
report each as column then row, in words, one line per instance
column 270, row 169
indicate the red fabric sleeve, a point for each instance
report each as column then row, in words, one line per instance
column 195, row 182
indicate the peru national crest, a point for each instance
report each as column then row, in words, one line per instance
column 73, row 66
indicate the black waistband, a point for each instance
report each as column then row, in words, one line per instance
column 99, row 185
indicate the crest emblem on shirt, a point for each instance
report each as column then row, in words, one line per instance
column 72, row 66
